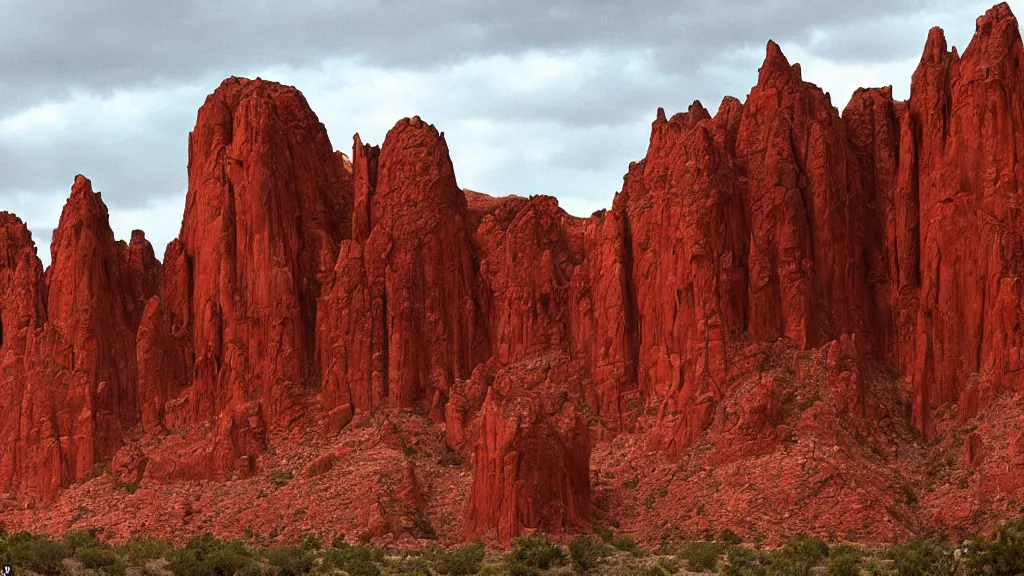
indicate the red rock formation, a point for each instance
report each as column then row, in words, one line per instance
column 409, row 321
column 69, row 372
column 266, row 209
column 967, row 179
column 532, row 454
column 755, row 286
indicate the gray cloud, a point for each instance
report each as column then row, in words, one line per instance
column 551, row 97
column 101, row 45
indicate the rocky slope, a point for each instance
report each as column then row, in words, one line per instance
column 790, row 319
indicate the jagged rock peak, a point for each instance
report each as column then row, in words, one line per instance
column 776, row 67
column 935, row 46
column 14, row 237
column 996, row 37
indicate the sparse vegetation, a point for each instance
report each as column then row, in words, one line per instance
column 293, row 561
column 209, row 556
column 844, row 560
column 463, row 561
column 281, row 479
column 357, row 560
column 585, row 552
column 702, row 556
column 729, row 537
column 744, row 562
column 798, row 556
column 37, row 554
column 85, row 553
column 532, row 553
column 139, row 551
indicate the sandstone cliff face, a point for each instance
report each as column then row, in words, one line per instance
column 747, row 299
column 268, row 204
column 406, row 314
column 531, row 457
column 69, row 346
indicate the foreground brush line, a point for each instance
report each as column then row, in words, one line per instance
column 81, row 553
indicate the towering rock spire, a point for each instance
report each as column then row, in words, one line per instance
column 268, row 203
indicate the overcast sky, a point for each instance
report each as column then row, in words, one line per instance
column 535, row 96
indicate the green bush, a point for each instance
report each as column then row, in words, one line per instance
column 36, row 553
column 744, row 562
column 516, row 568
column 356, row 560
column 702, row 556
column 462, row 561
column 290, row 560
column 209, row 556
column 495, row 569
column 623, row 542
column 409, row 566
column 844, row 561
column 115, row 569
column 667, row 566
column 798, row 556
column 535, row 551
column 94, row 558
column 251, row 569
column 639, row 570
column 77, row 539
column 585, row 552
column 729, row 537
column 138, row 551
column 1002, row 554
column 926, row 556
column 310, row 542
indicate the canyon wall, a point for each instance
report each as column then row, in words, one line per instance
column 308, row 287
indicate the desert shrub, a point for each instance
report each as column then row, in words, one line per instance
column 798, row 556
column 585, row 552
column 36, row 553
column 77, row 539
column 310, row 542
column 669, row 565
column 844, row 561
column 281, row 478
column 138, row 551
column 94, row 558
column 639, row 570
column 516, row 568
column 729, row 537
column 535, row 551
column 116, row 569
column 290, row 560
column 409, row 566
column 359, row 560
column 664, row 567
column 252, row 569
column 702, row 556
column 623, row 542
column 209, row 556
column 493, row 569
column 744, row 562
column 925, row 556
column 462, row 561
column 1003, row 553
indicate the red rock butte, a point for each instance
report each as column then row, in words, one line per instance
column 790, row 319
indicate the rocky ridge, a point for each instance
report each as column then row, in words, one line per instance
column 787, row 312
